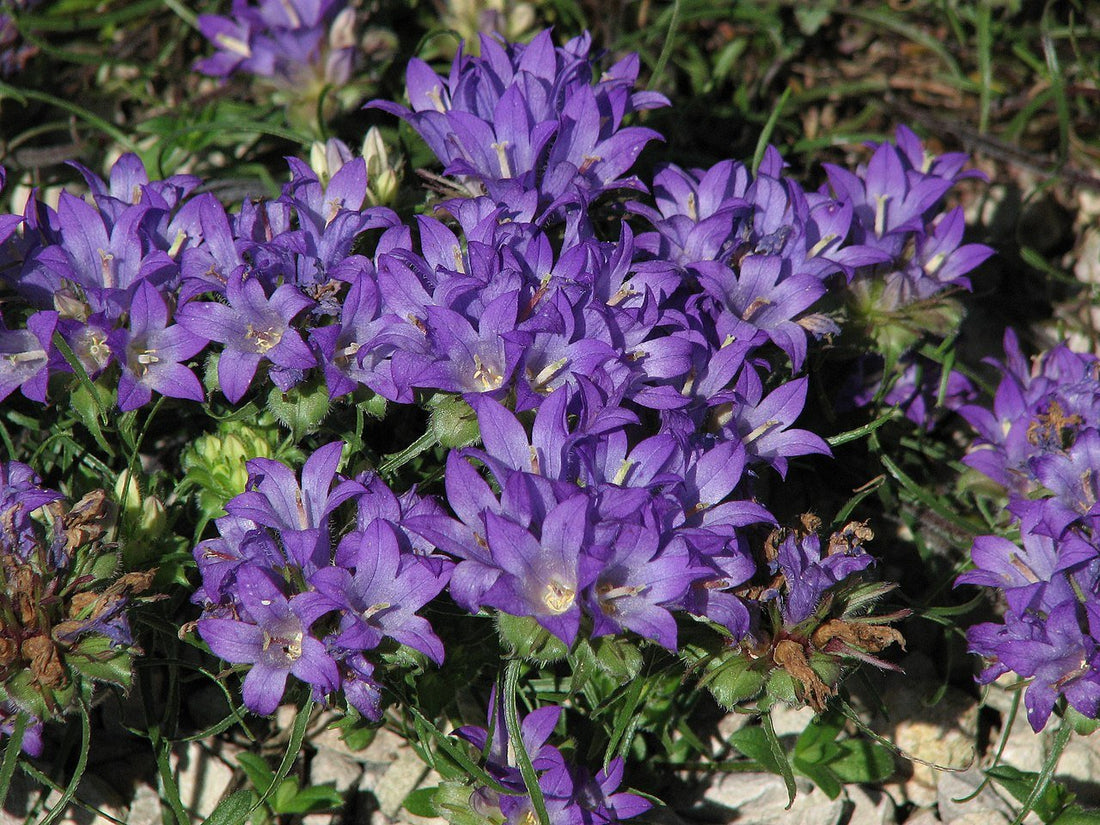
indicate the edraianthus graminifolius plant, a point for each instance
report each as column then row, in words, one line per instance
column 1041, row 443
column 278, row 595
column 63, row 614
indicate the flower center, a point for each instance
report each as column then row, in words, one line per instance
column 262, row 339
column 558, row 597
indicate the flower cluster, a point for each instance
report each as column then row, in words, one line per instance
column 570, row 793
column 1041, row 442
column 630, row 389
column 526, row 124
column 294, row 43
column 113, row 288
column 14, row 50
column 280, row 595
column 63, row 623
column 907, row 293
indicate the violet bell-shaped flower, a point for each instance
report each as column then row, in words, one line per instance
column 272, row 637
column 252, row 328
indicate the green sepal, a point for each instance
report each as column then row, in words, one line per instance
column 302, row 408
column 94, row 658
column 454, row 422
column 732, row 679
column 107, row 564
column 618, row 657
column 781, row 687
column 373, row 404
column 527, row 639
column 452, row 802
column 1082, row 725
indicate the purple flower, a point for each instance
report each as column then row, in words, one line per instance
column 285, row 41
column 298, row 512
column 252, row 328
column 32, row 734
column 151, row 351
column 272, row 637
column 808, row 575
column 381, row 597
column 20, row 496
column 543, row 577
column 1058, row 653
column 528, row 117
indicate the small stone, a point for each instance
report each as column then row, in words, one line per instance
column 329, row 766
column 401, row 778
column 941, row 735
column 145, row 808
column 202, row 775
column 922, row 817
column 791, row 721
column 869, row 807
column 1079, row 769
column 983, row 818
column 761, row 799
column 956, row 799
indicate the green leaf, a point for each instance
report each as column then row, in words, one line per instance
column 11, row 754
column 81, row 763
column 1021, row 784
column 311, row 800
column 284, row 795
column 822, row 731
column 257, row 770
column 97, row 660
column 862, row 761
column 756, row 743
column 232, row 810
column 820, row 775
column 421, row 802
column 515, row 734
column 733, row 680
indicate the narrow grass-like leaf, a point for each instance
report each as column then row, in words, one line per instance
column 984, row 35
column 293, row 749
column 515, row 735
column 861, row 432
column 925, row 497
column 666, row 49
column 395, row 461
column 11, row 754
column 780, row 756
column 94, row 18
column 1042, row 781
column 1057, row 84
column 627, row 720
column 233, row 810
column 455, row 752
column 183, row 13
column 78, row 772
column 769, row 127
column 79, row 112
column 888, row 19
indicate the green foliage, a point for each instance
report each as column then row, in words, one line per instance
column 1054, row 805
column 831, row 762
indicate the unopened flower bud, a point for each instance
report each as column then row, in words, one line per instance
column 382, row 179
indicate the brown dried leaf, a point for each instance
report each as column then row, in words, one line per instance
column 790, row 656
column 867, row 637
column 45, row 663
